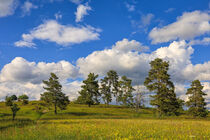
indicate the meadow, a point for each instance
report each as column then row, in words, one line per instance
column 98, row 122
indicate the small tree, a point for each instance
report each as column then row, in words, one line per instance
column 24, row 99
column 14, row 109
column 90, row 90
column 54, row 95
column 125, row 91
column 158, row 81
column 8, row 101
column 139, row 98
column 196, row 102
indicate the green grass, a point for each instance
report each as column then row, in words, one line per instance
column 98, row 122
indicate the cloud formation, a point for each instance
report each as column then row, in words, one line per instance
column 127, row 57
column 21, row 70
column 7, row 7
column 63, row 35
column 187, row 27
column 82, row 10
column 27, row 7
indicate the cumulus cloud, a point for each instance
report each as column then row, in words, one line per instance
column 63, row 35
column 27, row 7
column 127, row 57
column 7, row 7
column 24, row 77
column 123, row 57
column 187, row 27
column 34, row 90
column 82, row 10
column 135, row 65
column 21, row 70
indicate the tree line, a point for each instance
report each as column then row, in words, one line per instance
column 113, row 87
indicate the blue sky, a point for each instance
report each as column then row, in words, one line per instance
column 97, row 35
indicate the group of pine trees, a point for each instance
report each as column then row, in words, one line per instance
column 158, row 82
column 165, row 100
column 112, row 86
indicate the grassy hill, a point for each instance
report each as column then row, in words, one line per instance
column 98, row 122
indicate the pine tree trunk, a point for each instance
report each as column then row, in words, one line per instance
column 55, row 109
column 13, row 116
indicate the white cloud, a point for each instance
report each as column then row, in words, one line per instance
column 63, row 35
column 27, row 7
column 23, row 43
column 21, row 70
column 130, row 7
column 146, row 19
column 82, row 10
column 144, row 22
column 204, row 41
column 126, row 57
column 7, row 7
column 24, row 77
column 123, row 57
column 187, row 27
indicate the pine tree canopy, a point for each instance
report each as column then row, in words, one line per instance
column 54, row 95
column 158, row 81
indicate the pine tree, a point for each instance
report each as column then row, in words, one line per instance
column 112, row 80
column 106, row 90
column 125, row 91
column 158, row 81
column 89, row 93
column 54, row 95
column 196, row 102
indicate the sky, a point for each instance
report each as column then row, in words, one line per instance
column 75, row 37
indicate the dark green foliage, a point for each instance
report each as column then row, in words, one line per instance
column 196, row 102
column 13, row 97
column 54, row 95
column 158, row 81
column 106, row 90
column 8, row 101
column 89, row 93
column 125, row 91
column 24, row 99
column 109, row 86
column 14, row 109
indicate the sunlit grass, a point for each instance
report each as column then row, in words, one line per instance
column 98, row 122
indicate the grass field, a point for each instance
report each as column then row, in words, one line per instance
column 98, row 122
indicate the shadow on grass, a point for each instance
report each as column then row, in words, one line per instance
column 4, row 114
column 9, row 123
column 87, row 114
